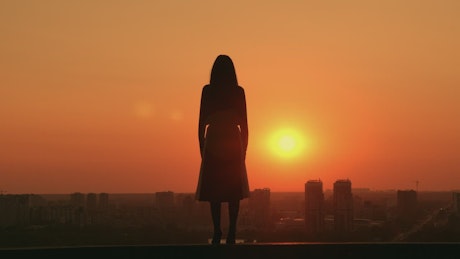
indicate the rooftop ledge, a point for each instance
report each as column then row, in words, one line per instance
column 239, row 251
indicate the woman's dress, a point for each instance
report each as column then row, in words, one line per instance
column 223, row 174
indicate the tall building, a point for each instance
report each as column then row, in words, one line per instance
column 91, row 202
column 14, row 210
column 407, row 204
column 343, row 206
column 77, row 199
column 314, row 206
column 259, row 208
column 456, row 202
column 103, row 201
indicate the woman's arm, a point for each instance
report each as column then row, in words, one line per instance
column 244, row 122
column 202, row 120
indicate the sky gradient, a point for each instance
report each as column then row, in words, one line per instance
column 103, row 96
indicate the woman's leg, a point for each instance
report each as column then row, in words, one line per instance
column 215, row 213
column 233, row 209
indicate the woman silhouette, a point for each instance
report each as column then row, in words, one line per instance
column 223, row 136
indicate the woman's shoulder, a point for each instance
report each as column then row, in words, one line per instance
column 240, row 90
column 206, row 89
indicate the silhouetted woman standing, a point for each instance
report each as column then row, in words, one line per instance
column 223, row 136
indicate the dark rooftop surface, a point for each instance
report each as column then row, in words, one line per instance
column 239, row 251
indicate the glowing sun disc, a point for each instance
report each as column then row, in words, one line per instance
column 287, row 143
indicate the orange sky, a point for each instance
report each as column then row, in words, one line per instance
column 104, row 95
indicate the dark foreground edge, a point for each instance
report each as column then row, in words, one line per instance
column 272, row 250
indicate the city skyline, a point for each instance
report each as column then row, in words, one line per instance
column 102, row 96
column 328, row 187
column 344, row 215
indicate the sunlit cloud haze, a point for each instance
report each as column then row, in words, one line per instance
column 104, row 95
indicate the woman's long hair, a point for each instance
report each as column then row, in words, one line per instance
column 223, row 72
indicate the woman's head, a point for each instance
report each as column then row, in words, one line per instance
column 223, row 72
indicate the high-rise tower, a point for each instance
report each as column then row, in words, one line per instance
column 343, row 206
column 103, row 201
column 91, row 202
column 314, row 206
column 259, row 208
column 77, row 200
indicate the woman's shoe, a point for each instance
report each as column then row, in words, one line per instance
column 216, row 238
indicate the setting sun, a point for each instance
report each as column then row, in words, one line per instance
column 287, row 143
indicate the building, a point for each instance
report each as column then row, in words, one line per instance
column 164, row 200
column 343, row 206
column 259, row 208
column 103, row 201
column 14, row 210
column 91, row 202
column 406, row 204
column 314, row 206
column 456, row 202
column 61, row 215
column 77, row 200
